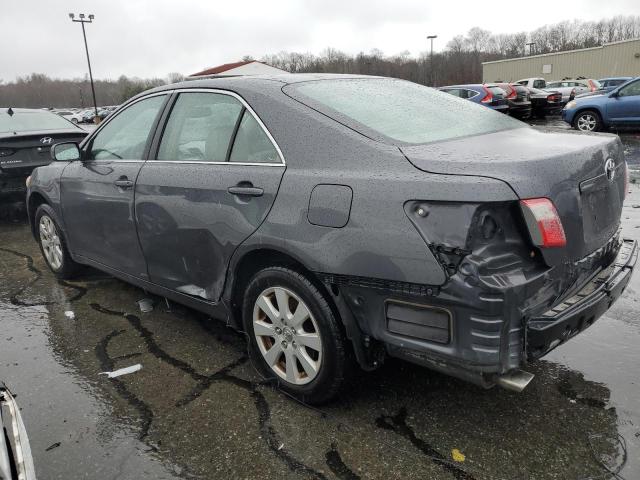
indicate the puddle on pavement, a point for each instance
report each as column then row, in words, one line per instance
column 197, row 409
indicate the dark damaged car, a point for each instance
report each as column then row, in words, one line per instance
column 26, row 135
column 338, row 218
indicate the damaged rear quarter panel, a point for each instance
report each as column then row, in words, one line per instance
column 378, row 241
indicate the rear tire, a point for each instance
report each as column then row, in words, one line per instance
column 53, row 245
column 587, row 121
column 294, row 336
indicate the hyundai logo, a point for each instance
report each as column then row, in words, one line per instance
column 610, row 169
column 46, row 140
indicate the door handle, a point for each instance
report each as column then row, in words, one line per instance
column 123, row 183
column 248, row 191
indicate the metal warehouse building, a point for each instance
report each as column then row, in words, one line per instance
column 616, row 59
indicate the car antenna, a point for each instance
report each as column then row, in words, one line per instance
column 10, row 111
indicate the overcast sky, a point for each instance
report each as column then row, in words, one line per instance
column 154, row 37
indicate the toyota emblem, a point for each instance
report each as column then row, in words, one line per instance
column 610, row 169
column 46, row 140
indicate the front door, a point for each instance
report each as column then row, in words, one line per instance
column 212, row 183
column 98, row 191
column 625, row 108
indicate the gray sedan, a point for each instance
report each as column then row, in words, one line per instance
column 340, row 220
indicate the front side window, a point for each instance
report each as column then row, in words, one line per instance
column 539, row 84
column 630, row 90
column 251, row 144
column 125, row 137
column 200, row 127
column 399, row 111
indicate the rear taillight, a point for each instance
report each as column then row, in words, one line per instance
column 488, row 96
column 592, row 86
column 543, row 222
column 512, row 94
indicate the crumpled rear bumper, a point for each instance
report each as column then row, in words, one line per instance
column 575, row 314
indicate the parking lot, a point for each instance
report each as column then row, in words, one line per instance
column 198, row 408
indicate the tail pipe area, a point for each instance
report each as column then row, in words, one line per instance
column 516, row 380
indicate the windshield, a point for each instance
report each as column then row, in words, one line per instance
column 31, row 121
column 400, row 110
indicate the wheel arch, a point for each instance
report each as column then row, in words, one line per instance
column 35, row 200
column 249, row 263
column 593, row 108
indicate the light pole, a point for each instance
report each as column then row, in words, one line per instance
column 431, row 37
column 81, row 20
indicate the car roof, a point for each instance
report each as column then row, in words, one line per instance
column 614, row 78
column 25, row 110
column 467, row 85
column 256, row 83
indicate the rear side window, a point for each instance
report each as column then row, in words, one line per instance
column 200, row 127
column 399, row 111
column 125, row 137
column 251, row 144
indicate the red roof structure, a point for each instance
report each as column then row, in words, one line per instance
column 222, row 68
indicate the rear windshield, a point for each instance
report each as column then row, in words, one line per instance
column 31, row 121
column 497, row 90
column 399, row 110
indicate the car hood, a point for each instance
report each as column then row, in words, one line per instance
column 538, row 163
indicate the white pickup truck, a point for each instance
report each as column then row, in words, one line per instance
column 534, row 82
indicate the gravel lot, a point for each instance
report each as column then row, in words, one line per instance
column 198, row 409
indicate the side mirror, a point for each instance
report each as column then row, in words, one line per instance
column 65, row 152
column 614, row 94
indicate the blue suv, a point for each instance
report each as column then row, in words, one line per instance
column 620, row 107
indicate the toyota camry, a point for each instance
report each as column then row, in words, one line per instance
column 346, row 219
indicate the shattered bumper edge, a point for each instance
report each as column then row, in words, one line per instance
column 577, row 313
column 11, row 420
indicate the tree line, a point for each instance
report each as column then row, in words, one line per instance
column 39, row 90
column 460, row 62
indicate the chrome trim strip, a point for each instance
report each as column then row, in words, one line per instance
column 195, row 162
column 118, row 111
column 197, row 90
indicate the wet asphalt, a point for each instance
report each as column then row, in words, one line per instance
column 198, row 409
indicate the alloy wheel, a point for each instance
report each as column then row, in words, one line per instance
column 50, row 241
column 287, row 335
column 587, row 123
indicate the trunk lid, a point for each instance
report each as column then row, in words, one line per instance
column 31, row 149
column 568, row 168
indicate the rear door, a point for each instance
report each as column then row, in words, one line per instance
column 625, row 108
column 97, row 192
column 213, row 180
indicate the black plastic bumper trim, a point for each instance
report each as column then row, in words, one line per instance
column 580, row 311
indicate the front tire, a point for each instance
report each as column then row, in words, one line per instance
column 52, row 243
column 294, row 335
column 587, row 121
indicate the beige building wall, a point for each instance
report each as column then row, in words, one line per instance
column 619, row 59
